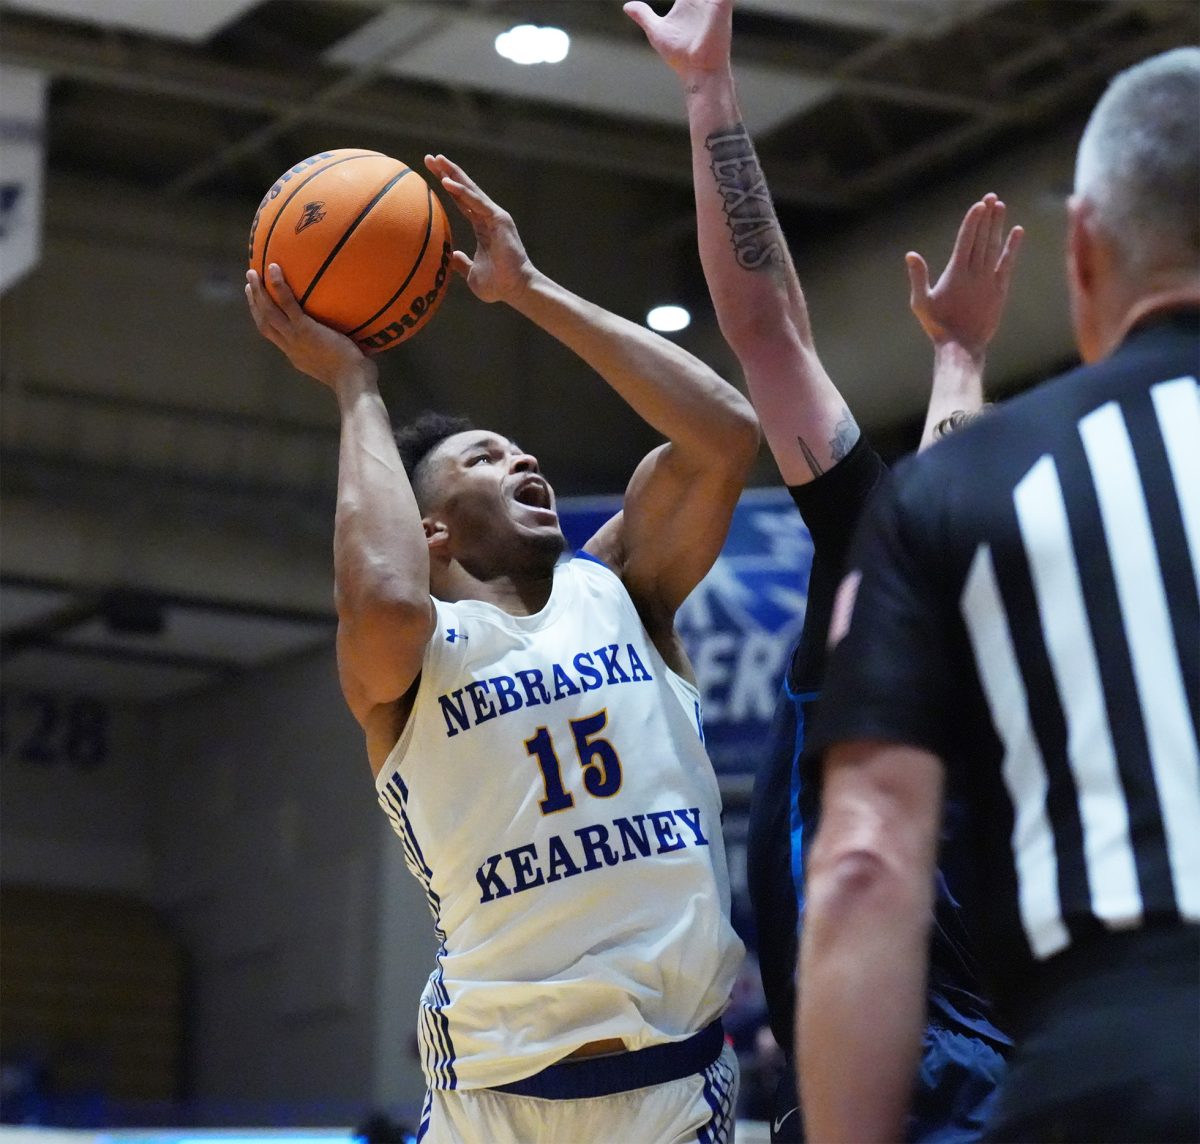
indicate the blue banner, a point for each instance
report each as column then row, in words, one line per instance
column 22, row 159
column 741, row 621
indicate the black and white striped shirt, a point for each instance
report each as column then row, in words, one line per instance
column 1029, row 610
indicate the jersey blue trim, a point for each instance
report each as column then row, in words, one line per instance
column 434, row 1018
column 797, row 699
column 589, row 1077
column 720, row 1085
column 426, row 1113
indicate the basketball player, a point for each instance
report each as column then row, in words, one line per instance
column 1026, row 641
column 830, row 469
column 534, row 727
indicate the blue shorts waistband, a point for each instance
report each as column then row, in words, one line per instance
column 602, row 1076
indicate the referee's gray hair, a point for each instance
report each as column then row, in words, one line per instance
column 1138, row 163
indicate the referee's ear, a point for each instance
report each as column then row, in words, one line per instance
column 1088, row 274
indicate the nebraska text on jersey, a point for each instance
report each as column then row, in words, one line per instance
column 589, row 848
column 483, row 699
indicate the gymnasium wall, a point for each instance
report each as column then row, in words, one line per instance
column 857, row 287
column 247, row 817
column 272, row 866
column 76, row 781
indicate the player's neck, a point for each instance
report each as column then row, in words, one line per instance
column 518, row 595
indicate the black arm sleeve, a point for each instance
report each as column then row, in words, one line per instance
column 831, row 506
column 894, row 673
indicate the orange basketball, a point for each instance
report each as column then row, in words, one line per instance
column 362, row 240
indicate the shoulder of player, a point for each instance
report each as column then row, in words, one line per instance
column 590, row 566
column 659, row 621
column 606, row 545
column 591, row 559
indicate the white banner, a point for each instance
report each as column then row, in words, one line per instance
column 22, row 129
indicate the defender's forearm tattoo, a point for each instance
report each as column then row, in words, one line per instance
column 757, row 241
column 845, row 433
column 810, row 457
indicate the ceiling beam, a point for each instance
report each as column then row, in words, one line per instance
column 191, row 602
column 365, row 72
column 333, row 98
column 1073, row 82
column 219, row 667
column 46, row 628
column 179, row 72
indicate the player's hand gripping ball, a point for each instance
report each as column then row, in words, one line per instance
column 363, row 243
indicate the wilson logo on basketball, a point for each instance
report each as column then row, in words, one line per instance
column 390, row 334
column 313, row 212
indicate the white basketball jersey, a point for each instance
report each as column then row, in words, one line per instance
column 555, row 800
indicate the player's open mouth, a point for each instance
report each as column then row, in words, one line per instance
column 533, row 492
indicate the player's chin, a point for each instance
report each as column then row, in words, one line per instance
column 548, row 540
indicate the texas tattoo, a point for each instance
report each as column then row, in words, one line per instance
column 746, row 200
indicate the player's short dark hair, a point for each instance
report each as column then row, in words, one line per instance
column 423, row 434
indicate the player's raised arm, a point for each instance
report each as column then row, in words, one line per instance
column 381, row 560
column 962, row 312
column 750, row 275
column 679, row 502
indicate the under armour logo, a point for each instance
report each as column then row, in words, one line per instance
column 312, row 213
column 453, row 634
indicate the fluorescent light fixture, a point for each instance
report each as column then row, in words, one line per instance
column 528, row 44
column 668, row 319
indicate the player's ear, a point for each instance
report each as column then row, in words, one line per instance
column 437, row 533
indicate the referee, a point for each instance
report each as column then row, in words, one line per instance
column 1020, row 632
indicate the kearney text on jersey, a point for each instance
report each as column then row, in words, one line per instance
column 484, row 699
column 589, row 848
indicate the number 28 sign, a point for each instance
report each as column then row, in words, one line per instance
column 41, row 729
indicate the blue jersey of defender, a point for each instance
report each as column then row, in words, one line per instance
column 962, row 1059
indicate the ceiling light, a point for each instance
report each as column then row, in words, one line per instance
column 527, row 44
column 668, row 319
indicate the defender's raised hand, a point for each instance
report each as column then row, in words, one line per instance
column 966, row 304
column 500, row 270
column 314, row 349
column 694, row 36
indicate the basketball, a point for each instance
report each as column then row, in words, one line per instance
column 362, row 241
